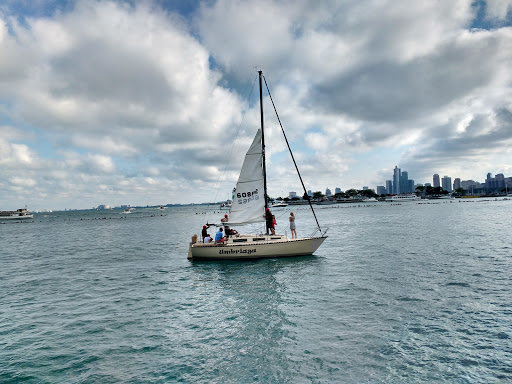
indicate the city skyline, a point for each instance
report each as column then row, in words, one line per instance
column 123, row 102
column 492, row 181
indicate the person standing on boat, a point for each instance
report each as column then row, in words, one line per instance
column 292, row 225
column 269, row 218
column 204, row 232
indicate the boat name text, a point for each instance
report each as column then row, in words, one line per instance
column 236, row 251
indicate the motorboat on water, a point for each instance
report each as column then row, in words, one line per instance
column 279, row 205
column 249, row 204
column 440, row 197
column 226, row 205
column 20, row 214
column 403, row 198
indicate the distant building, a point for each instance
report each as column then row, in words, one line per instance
column 396, row 180
column 310, row 194
column 365, row 188
column 410, row 186
column 467, row 184
column 428, row 185
column 456, row 184
column 103, row 206
column 389, row 187
column 328, row 192
column 496, row 182
column 337, row 190
column 447, row 183
column 291, row 195
column 436, row 180
column 404, row 182
column 381, row 190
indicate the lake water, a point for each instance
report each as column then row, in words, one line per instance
column 397, row 294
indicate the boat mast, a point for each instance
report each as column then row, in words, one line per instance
column 263, row 145
column 291, row 154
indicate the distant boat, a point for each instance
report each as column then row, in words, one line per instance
column 439, row 197
column 279, row 205
column 326, row 202
column 403, row 197
column 349, row 200
column 128, row 210
column 226, row 205
column 249, row 206
column 20, row 214
column 161, row 207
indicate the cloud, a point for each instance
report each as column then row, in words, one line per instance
column 132, row 101
column 106, row 68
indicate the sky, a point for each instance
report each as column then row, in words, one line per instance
column 156, row 102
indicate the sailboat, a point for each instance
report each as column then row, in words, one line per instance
column 249, row 204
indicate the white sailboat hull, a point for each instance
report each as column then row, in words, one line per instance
column 270, row 247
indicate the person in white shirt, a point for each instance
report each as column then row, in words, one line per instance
column 208, row 238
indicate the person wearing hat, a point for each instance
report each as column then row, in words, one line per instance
column 269, row 218
column 224, row 219
column 204, row 232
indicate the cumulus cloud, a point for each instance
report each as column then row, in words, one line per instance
column 122, row 100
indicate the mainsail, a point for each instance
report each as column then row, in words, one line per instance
column 248, row 197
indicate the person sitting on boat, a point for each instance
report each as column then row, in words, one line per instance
column 224, row 219
column 270, row 221
column 207, row 239
column 230, row 231
column 219, row 236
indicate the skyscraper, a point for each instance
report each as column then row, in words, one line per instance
column 447, row 183
column 456, row 184
column 396, row 180
column 404, row 182
column 436, row 180
column 389, row 187
column 410, row 186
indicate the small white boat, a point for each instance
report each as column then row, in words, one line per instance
column 439, row 197
column 403, row 198
column 20, row 214
column 279, row 205
column 326, row 202
column 249, row 205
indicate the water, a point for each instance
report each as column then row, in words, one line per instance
column 396, row 294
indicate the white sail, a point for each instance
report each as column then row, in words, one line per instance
column 248, row 197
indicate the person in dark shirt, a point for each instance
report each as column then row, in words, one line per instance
column 270, row 221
